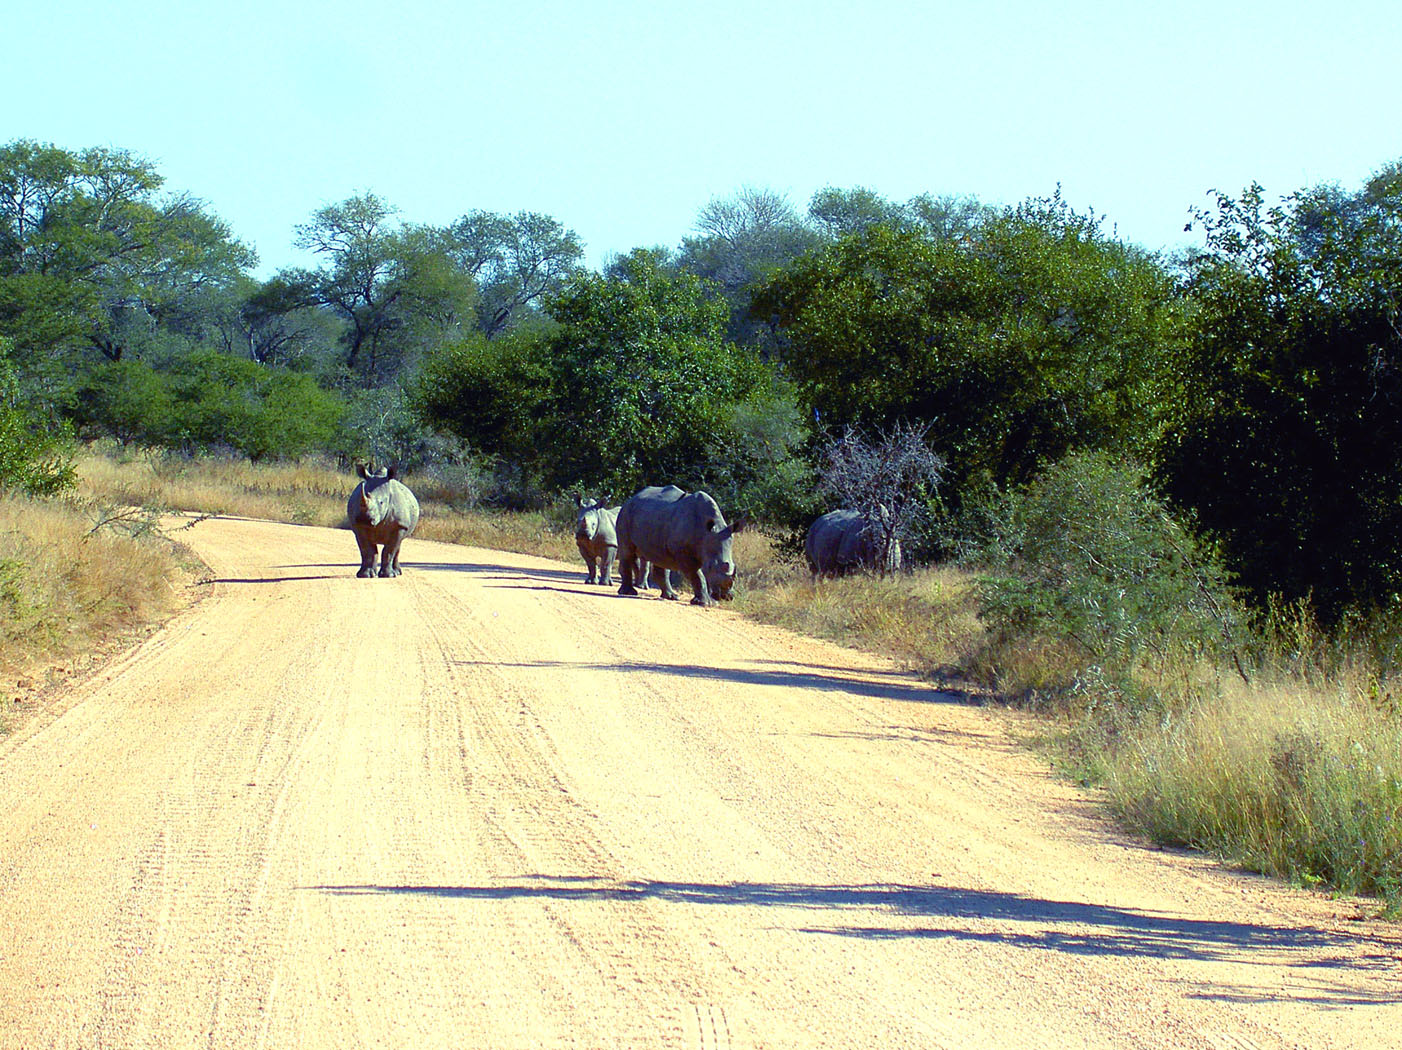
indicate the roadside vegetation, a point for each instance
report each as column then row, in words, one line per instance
column 1153, row 501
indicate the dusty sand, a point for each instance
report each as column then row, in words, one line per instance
column 487, row 805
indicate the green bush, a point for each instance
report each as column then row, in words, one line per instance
column 1086, row 562
column 210, row 401
column 35, row 457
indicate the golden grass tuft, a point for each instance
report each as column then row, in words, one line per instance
column 925, row 621
column 1297, row 782
column 66, row 590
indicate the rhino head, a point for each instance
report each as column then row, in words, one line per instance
column 586, row 525
column 718, row 559
column 376, row 495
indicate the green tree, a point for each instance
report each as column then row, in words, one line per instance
column 397, row 290
column 126, row 400
column 642, row 374
column 220, row 401
column 1032, row 335
column 744, row 238
column 1284, row 431
column 636, row 385
column 35, row 457
column 518, row 261
column 491, row 393
column 92, row 258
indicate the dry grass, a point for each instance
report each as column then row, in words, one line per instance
column 66, row 591
column 925, row 621
column 1285, row 779
column 308, row 493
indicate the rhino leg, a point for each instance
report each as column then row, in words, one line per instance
column 701, row 594
column 367, row 557
column 663, row 579
column 628, row 569
column 389, row 557
column 592, row 576
column 606, row 566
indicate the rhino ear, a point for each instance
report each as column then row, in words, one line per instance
column 740, row 524
column 579, row 500
column 361, row 469
column 392, row 472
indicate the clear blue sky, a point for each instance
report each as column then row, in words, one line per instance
column 622, row 119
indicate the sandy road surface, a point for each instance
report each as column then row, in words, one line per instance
column 486, row 805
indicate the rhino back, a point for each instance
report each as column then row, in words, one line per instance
column 837, row 541
column 667, row 526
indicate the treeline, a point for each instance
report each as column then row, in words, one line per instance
column 1251, row 384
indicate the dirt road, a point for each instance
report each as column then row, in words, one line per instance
column 487, row 805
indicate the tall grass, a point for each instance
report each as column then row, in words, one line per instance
column 66, row 589
column 926, row 621
column 1282, row 778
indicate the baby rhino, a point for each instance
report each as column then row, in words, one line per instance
column 382, row 512
column 595, row 536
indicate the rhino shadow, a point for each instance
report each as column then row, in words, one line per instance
column 891, row 688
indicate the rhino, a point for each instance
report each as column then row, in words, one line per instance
column 596, row 538
column 677, row 532
column 596, row 535
column 843, row 541
column 382, row 512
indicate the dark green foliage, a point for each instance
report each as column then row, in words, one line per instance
column 210, row 401
column 1030, row 334
column 91, row 259
column 1286, row 427
column 635, row 385
column 517, row 261
column 35, row 456
column 126, row 400
column 489, row 392
column 1087, row 557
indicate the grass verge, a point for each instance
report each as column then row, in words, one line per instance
column 68, row 591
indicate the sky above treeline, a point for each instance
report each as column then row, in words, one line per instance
column 622, row 120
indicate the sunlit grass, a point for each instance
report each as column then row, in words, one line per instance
column 65, row 590
column 1282, row 778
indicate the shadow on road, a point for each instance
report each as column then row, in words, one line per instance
column 499, row 572
column 881, row 685
column 273, row 579
column 948, row 912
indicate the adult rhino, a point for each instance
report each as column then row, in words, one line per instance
column 680, row 532
column 843, row 541
column 382, row 512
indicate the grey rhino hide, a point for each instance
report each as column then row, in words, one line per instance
column 596, row 536
column 842, row 541
column 677, row 532
column 382, row 511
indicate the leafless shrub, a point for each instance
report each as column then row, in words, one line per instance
column 885, row 477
